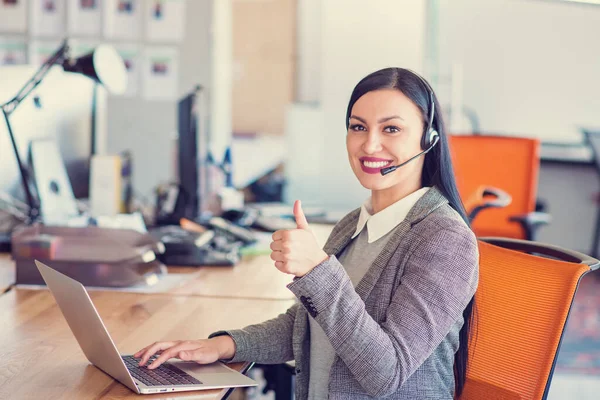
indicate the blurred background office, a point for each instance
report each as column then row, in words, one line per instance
column 270, row 81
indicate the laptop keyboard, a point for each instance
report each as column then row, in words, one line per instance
column 164, row 375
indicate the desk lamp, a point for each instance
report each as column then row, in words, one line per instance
column 103, row 65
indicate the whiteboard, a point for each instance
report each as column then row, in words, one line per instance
column 530, row 67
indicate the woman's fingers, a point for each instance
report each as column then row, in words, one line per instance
column 140, row 352
column 176, row 350
column 149, row 351
column 279, row 265
column 276, row 246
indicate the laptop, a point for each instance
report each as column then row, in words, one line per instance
column 99, row 348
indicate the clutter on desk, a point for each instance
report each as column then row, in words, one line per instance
column 234, row 233
column 283, row 210
column 268, row 188
column 250, row 217
column 41, row 247
column 189, row 248
column 262, row 246
column 94, row 256
column 214, row 242
column 110, row 184
column 273, row 212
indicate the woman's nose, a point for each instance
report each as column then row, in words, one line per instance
column 372, row 143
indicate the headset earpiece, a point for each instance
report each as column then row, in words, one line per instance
column 430, row 139
column 429, row 136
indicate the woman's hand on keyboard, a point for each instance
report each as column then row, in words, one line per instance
column 203, row 351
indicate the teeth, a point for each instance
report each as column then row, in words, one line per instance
column 375, row 164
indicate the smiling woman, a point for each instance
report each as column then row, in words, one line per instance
column 378, row 138
column 385, row 307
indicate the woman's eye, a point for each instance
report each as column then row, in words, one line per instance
column 357, row 128
column 391, row 129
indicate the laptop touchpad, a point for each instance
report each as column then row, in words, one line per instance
column 192, row 367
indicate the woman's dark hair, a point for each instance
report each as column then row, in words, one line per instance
column 437, row 171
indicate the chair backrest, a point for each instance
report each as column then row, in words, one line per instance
column 522, row 305
column 507, row 163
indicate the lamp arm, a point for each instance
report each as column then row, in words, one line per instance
column 11, row 105
column 36, row 79
column 34, row 211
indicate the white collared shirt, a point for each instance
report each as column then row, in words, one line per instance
column 380, row 224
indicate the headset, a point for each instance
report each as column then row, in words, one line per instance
column 430, row 137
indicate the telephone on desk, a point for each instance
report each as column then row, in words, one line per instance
column 252, row 218
column 218, row 242
column 232, row 231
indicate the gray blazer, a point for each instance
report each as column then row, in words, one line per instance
column 395, row 335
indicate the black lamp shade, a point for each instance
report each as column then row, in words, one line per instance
column 104, row 65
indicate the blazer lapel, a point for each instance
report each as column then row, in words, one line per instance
column 342, row 233
column 430, row 201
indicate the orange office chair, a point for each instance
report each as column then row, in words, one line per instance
column 510, row 164
column 522, row 305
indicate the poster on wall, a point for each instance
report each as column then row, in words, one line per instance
column 122, row 19
column 48, row 18
column 165, row 20
column 84, row 17
column 13, row 16
column 131, row 55
column 160, row 74
column 13, row 51
column 41, row 50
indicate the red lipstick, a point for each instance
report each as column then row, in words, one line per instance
column 374, row 170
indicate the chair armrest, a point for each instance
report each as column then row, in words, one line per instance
column 545, row 249
column 540, row 205
column 531, row 222
column 486, row 197
column 533, row 218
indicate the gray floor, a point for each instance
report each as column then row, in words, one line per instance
column 574, row 387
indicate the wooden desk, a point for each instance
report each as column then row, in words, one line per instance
column 40, row 358
column 254, row 278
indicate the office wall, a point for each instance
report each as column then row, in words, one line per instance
column 356, row 38
column 308, row 42
column 220, row 86
column 569, row 191
column 529, row 67
column 147, row 128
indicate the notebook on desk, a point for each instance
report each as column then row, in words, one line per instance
column 99, row 348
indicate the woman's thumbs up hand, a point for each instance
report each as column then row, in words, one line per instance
column 296, row 251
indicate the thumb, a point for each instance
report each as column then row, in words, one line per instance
column 299, row 214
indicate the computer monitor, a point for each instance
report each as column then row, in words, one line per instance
column 60, row 108
column 192, row 151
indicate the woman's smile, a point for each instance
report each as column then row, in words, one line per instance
column 373, row 165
